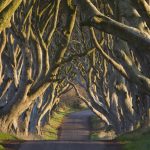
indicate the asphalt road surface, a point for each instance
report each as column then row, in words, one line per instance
column 69, row 145
column 76, row 126
column 74, row 135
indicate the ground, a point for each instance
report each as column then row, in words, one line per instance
column 136, row 140
column 75, row 135
column 99, row 130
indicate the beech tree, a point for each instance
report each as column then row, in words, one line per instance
column 48, row 47
column 123, row 55
column 30, row 69
column 7, row 9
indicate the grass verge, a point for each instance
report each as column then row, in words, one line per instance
column 136, row 140
column 99, row 130
column 51, row 130
column 2, row 148
column 4, row 137
column 95, row 125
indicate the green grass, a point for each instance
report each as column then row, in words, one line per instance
column 95, row 124
column 100, row 131
column 6, row 136
column 137, row 140
column 94, row 136
column 2, row 148
column 50, row 131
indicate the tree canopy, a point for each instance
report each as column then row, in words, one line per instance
column 101, row 47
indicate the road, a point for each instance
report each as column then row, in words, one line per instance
column 74, row 136
column 69, row 145
column 76, row 126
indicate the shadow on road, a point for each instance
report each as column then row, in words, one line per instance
column 63, row 145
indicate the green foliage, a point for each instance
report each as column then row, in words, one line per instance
column 137, row 140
